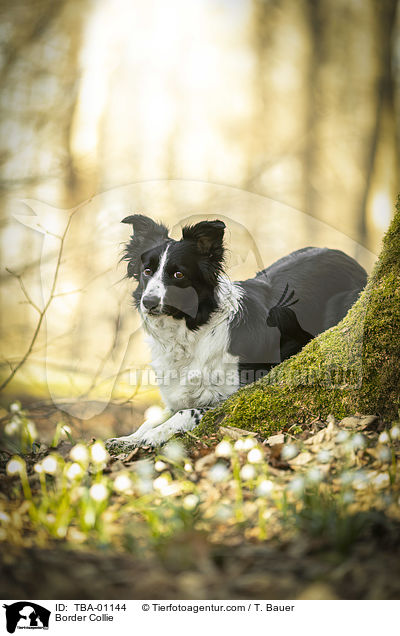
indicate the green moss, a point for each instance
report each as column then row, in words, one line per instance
column 355, row 366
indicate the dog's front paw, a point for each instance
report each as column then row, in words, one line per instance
column 121, row 444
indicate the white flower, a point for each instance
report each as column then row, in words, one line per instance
column 247, row 472
column 384, row 454
column 12, row 428
column 239, row 445
column 289, row 451
column 384, row 437
column 98, row 453
column 264, row 488
column 38, row 468
column 255, row 456
column 49, row 465
column 79, row 453
column 160, row 466
column 395, row 432
column 15, row 407
column 65, row 430
column 98, row 492
column 74, row 470
column 342, row 436
column 219, row 472
column 32, row 429
column 15, row 466
column 188, row 468
column 190, row 502
column 123, row 483
column 357, row 442
column 249, row 443
column 297, row 485
column 314, row 476
column 324, row 456
column 174, row 451
column 155, row 415
column 161, row 483
column 224, row 449
column 4, row 517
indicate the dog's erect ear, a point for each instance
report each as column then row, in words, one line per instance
column 145, row 227
column 146, row 234
column 208, row 236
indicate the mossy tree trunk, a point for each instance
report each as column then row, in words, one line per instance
column 352, row 367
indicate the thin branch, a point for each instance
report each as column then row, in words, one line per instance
column 43, row 311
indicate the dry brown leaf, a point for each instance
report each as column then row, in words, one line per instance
column 236, row 433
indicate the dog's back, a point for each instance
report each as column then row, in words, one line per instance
column 320, row 286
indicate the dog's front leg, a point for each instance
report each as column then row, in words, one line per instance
column 155, row 435
column 182, row 421
column 126, row 442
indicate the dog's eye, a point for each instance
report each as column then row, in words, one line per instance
column 147, row 271
column 178, row 275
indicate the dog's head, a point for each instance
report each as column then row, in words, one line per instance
column 176, row 278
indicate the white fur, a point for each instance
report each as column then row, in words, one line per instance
column 155, row 286
column 194, row 368
column 188, row 364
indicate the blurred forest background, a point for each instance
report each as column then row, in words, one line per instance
column 280, row 116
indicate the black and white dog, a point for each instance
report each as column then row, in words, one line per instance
column 209, row 336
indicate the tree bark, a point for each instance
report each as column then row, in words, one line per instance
column 352, row 367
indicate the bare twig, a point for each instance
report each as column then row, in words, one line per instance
column 42, row 312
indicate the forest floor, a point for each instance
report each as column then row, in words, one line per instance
column 311, row 513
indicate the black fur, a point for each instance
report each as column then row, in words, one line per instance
column 199, row 255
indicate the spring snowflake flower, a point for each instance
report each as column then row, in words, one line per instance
column 123, row 483
column 264, row 488
column 247, row 472
column 155, row 415
column 15, row 407
column 289, row 451
column 74, row 470
column 324, row 456
column 357, row 442
column 79, row 453
column 160, row 466
column 255, row 456
column 314, row 476
column 384, row 437
column 12, row 428
column 4, row 517
column 249, row 443
column 296, row 486
column 342, row 436
column 98, row 492
column 395, row 432
column 190, row 502
column 384, row 454
column 50, row 465
column 239, row 445
column 174, row 451
column 188, row 468
column 224, row 449
column 161, row 483
column 218, row 473
column 98, row 453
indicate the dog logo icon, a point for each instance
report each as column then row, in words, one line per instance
column 26, row 615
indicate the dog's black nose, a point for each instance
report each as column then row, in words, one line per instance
column 151, row 302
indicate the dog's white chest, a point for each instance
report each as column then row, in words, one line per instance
column 193, row 368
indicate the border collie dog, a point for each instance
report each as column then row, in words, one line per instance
column 209, row 336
